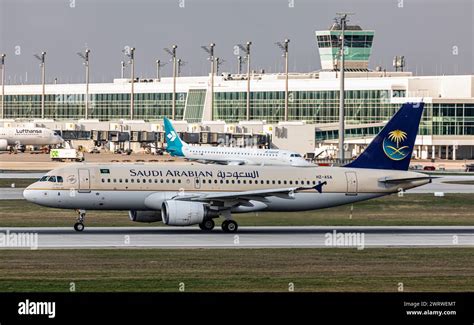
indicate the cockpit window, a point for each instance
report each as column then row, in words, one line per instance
column 55, row 133
column 53, row 179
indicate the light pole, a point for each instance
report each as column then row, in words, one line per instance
column 2, row 65
column 210, row 50
column 246, row 49
column 85, row 56
column 159, row 65
column 240, row 60
column 43, row 78
column 343, row 21
column 180, row 64
column 284, row 47
column 122, row 69
column 219, row 62
column 131, row 54
column 172, row 52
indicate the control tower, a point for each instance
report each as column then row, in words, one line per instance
column 358, row 44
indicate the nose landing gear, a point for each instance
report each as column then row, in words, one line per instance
column 79, row 225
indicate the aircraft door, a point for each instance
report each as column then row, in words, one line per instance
column 351, row 178
column 84, row 181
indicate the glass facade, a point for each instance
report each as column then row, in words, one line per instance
column 349, row 133
column 195, row 105
column 350, row 41
column 357, row 47
column 453, row 119
column 148, row 106
column 362, row 107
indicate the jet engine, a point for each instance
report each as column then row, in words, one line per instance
column 144, row 216
column 3, row 144
column 183, row 213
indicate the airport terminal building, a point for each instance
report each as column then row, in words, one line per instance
column 371, row 98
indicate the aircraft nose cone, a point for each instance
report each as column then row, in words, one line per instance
column 28, row 194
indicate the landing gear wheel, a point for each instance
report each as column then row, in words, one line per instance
column 207, row 225
column 229, row 226
column 79, row 226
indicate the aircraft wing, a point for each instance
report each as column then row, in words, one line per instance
column 240, row 196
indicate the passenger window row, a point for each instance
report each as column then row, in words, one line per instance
column 209, row 181
column 236, row 153
column 268, row 182
column 138, row 180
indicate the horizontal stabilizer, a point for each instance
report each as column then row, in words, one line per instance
column 392, row 180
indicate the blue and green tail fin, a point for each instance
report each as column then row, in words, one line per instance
column 174, row 144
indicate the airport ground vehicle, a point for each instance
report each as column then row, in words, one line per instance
column 66, row 155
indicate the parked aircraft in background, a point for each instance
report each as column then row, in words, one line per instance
column 228, row 155
column 14, row 137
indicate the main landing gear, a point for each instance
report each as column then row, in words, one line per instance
column 207, row 225
column 79, row 225
column 229, row 226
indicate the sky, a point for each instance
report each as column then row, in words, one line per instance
column 435, row 36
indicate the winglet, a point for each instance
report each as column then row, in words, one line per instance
column 174, row 144
column 393, row 146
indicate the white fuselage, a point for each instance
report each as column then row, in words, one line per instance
column 29, row 136
column 241, row 156
column 146, row 187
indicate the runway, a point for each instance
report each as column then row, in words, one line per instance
column 246, row 237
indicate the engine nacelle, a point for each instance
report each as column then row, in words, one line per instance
column 3, row 144
column 144, row 216
column 182, row 213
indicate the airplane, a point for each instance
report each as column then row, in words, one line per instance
column 14, row 137
column 230, row 156
column 196, row 194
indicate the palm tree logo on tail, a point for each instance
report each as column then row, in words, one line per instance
column 393, row 145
